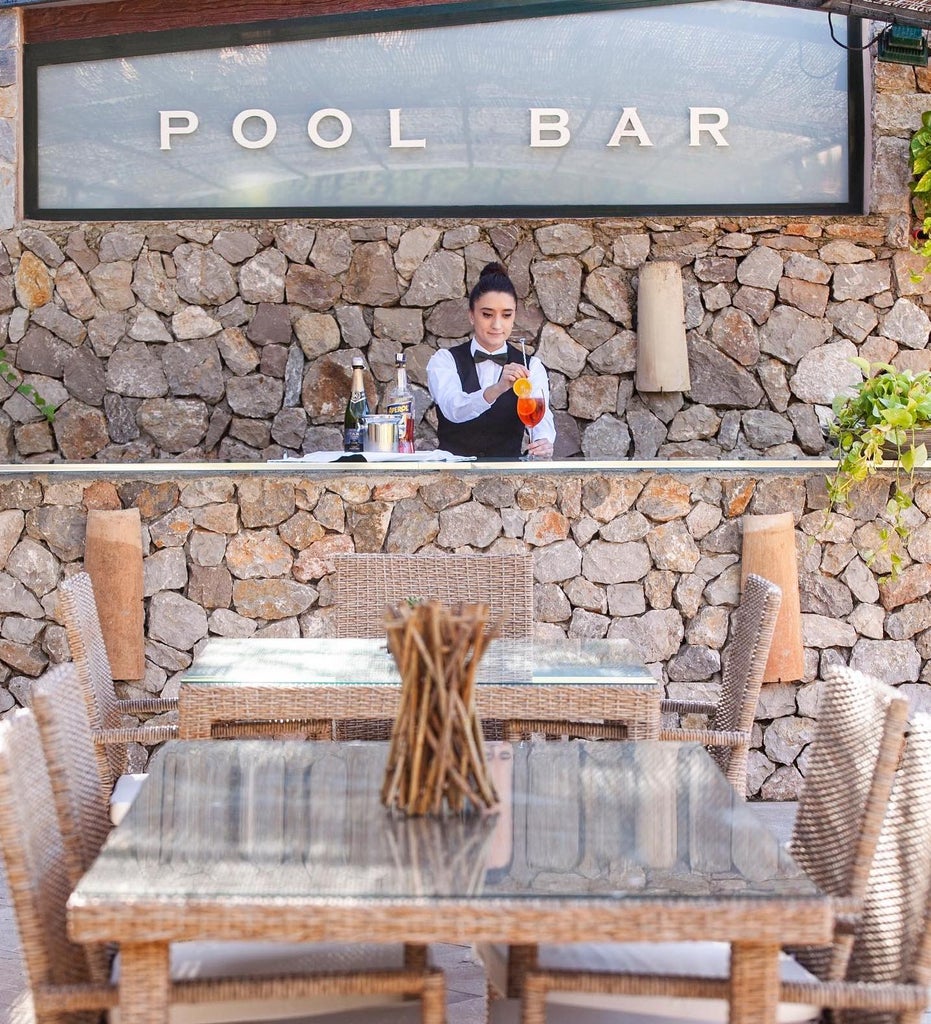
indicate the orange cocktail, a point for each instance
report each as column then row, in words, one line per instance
column 530, row 410
column 531, row 406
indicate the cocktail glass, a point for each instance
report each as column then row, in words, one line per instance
column 530, row 411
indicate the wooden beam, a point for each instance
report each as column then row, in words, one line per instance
column 121, row 17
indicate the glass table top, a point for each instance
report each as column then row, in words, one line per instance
column 577, row 820
column 335, row 662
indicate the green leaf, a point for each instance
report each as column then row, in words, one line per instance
column 898, row 417
column 918, row 141
column 881, row 412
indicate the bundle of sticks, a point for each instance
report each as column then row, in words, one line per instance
column 436, row 761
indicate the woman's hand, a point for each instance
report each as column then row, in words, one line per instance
column 509, row 373
column 541, row 449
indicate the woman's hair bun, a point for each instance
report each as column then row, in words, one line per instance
column 493, row 278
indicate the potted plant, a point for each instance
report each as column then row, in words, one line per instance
column 886, row 419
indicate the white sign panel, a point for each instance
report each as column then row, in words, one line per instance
column 705, row 105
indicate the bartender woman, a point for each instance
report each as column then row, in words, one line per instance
column 472, row 383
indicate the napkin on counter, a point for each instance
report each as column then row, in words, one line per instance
column 437, row 455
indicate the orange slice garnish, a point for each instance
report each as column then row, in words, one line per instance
column 522, row 387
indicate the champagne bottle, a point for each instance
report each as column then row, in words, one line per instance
column 356, row 408
column 398, row 400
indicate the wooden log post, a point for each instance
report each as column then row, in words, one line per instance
column 113, row 560
column 662, row 353
column 769, row 551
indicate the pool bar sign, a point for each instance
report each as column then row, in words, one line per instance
column 690, row 106
column 549, row 127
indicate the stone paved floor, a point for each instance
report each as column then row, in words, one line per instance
column 465, row 978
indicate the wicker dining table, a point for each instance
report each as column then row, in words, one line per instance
column 594, row 841
column 235, row 682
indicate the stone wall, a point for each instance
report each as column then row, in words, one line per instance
column 652, row 555
column 233, row 341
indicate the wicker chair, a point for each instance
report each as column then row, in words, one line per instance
column 111, row 736
column 731, row 718
column 80, row 795
column 854, row 755
column 106, row 710
column 66, row 978
column 889, row 970
column 857, row 745
column 367, row 584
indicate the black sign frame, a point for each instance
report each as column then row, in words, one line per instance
column 38, row 55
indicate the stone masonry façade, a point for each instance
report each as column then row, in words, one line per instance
column 650, row 554
column 231, row 341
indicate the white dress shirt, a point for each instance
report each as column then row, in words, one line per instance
column 459, row 407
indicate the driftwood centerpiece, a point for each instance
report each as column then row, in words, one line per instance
column 436, row 762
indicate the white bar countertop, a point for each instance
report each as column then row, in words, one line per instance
column 297, row 467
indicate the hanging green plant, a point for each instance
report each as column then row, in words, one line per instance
column 919, row 157
column 919, row 163
column 18, row 384
column 881, row 422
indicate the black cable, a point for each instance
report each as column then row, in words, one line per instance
column 866, row 46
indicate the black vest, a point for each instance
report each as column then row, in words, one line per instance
column 497, row 433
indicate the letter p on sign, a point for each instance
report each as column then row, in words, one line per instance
column 166, row 129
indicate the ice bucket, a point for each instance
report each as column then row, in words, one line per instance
column 380, row 433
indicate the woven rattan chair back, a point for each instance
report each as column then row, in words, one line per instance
column 89, row 653
column 37, row 874
column 368, row 584
column 854, row 754
column 742, row 678
column 105, row 709
column 81, row 799
column 893, row 939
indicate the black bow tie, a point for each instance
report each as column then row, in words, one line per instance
column 500, row 357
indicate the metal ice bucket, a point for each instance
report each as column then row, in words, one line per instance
column 380, row 433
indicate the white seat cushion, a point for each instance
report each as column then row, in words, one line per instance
column 124, row 792
column 199, row 960
column 676, row 959
column 507, row 1011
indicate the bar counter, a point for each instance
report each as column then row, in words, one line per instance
column 480, row 466
column 649, row 551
